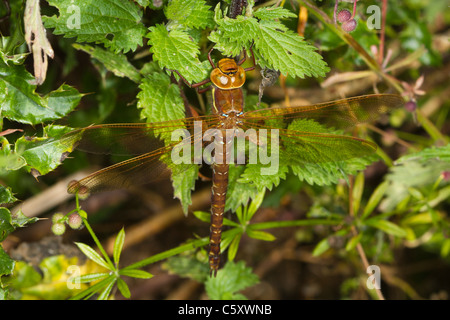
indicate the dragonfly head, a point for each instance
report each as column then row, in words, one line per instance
column 228, row 75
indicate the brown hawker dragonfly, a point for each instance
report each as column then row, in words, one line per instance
column 296, row 144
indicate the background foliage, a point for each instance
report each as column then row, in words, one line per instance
column 318, row 223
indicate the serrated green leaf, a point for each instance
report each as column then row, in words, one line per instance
column 239, row 193
column 159, row 100
column 190, row 13
column 19, row 101
column 432, row 153
column 232, row 35
column 275, row 46
column 287, row 52
column 94, row 21
column 183, row 182
column 232, row 278
column 253, row 174
column 272, row 13
column 175, row 50
column 44, row 154
column 117, row 63
column 92, row 254
column 386, row 226
column 118, row 245
column 6, row 195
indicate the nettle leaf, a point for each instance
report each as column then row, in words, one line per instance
column 234, row 34
column 43, row 155
column 275, row 46
column 239, row 191
column 160, row 100
column 96, row 21
column 433, row 153
column 415, row 170
column 115, row 62
column 19, row 101
column 273, row 13
column 253, row 174
column 190, row 13
column 287, row 52
column 232, row 278
column 183, row 182
column 175, row 50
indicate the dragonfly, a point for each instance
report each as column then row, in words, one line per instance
column 151, row 153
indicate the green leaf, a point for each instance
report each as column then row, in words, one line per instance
column 239, row 192
column 19, row 101
column 190, row 13
column 351, row 244
column 255, row 204
column 9, row 160
column 6, row 195
column 234, row 246
column 203, row 216
column 159, row 100
column 134, row 273
column 374, row 199
column 117, row 63
column 175, row 50
column 183, row 182
column 10, row 222
column 104, row 294
column 118, row 245
column 92, row 254
column 432, row 153
column 260, row 235
column 445, row 249
column 358, row 188
column 232, row 35
column 95, row 21
column 123, row 288
column 275, row 46
column 386, row 226
column 266, row 13
column 232, row 278
column 43, row 155
column 187, row 265
column 6, row 263
column 86, row 278
column 321, row 247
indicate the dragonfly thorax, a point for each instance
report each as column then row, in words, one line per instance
column 228, row 75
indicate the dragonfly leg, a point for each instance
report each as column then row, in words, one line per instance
column 195, row 85
column 245, row 58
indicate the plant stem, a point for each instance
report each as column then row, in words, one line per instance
column 354, row 231
column 97, row 242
